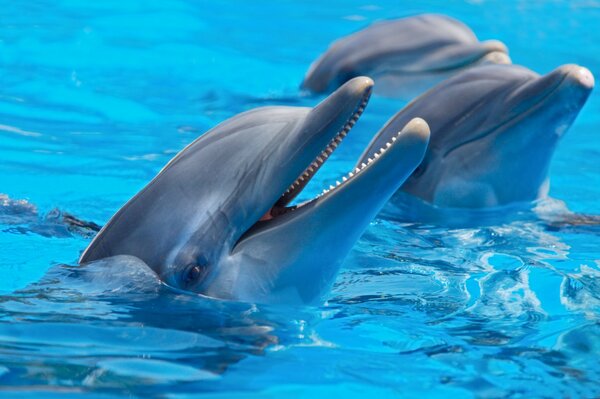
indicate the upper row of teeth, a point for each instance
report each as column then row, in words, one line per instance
column 313, row 167
column 360, row 168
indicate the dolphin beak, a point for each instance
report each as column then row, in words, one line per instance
column 496, row 52
column 333, row 111
column 569, row 76
column 495, row 46
column 572, row 83
column 577, row 76
column 341, row 109
column 375, row 180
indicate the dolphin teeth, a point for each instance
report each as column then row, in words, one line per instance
column 393, row 138
column 388, row 144
column 370, row 160
column 308, row 173
column 376, row 155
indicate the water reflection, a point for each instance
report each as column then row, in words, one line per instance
column 112, row 324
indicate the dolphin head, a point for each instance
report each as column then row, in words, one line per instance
column 216, row 219
column 413, row 51
column 494, row 131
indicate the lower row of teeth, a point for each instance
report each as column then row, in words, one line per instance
column 360, row 168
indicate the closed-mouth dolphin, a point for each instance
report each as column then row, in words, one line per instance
column 494, row 131
column 404, row 56
column 216, row 220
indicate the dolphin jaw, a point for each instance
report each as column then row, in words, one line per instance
column 280, row 208
column 347, row 179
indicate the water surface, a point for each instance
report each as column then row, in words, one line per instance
column 97, row 96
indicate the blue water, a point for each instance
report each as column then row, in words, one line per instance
column 95, row 97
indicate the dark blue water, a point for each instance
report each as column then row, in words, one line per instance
column 95, row 97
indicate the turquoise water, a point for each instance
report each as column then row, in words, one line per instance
column 95, row 97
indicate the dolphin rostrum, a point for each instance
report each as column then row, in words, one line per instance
column 217, row 218
column 494, row 131
column 404, row 56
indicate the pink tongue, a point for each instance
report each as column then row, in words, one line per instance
column 266, row 216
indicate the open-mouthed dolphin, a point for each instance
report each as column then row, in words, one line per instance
column 494, row 131
column 404, row 56
column 216, row 219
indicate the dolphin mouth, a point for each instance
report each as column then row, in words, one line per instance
column 281, row 205
column 353, row 180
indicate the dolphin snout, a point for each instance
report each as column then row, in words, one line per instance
column 496, row 52
column 577, row 76
column 581, row 76
column 495, row 45
column 496, row 57
column 357, row 87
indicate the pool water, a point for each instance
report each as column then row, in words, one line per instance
column 95, row 97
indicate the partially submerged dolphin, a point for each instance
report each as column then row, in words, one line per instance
column 217, row 221
column 404, row 56
column 494, row 131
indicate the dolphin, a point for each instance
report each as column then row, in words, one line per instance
column 404, row 56
column 217, row 219
column 494, row 131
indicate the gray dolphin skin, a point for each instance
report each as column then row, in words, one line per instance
column 404, row 56
column 217, row 219
column 494, row 131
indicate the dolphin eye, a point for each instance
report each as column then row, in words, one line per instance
column 193, row 273
column 420, row 170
